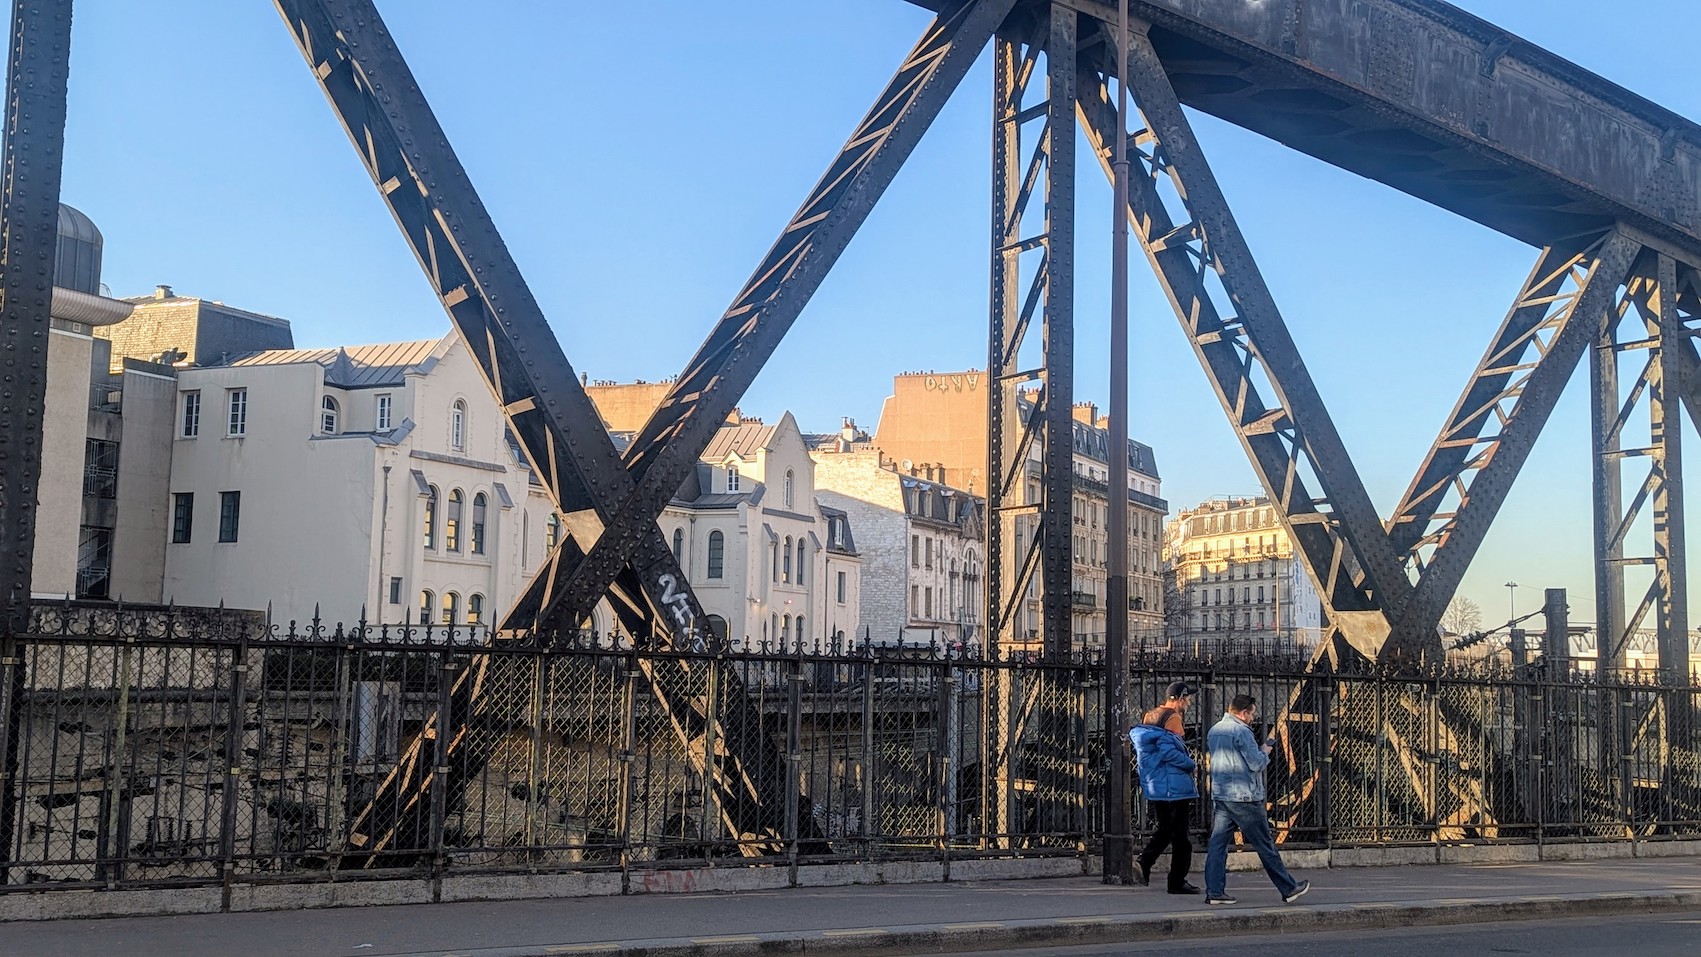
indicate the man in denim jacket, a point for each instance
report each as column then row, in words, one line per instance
column 1237, row 764
column 1166, row 776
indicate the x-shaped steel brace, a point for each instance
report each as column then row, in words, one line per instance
column 702, row 396
column 408, row 156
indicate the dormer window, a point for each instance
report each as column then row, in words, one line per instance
column 732, row 478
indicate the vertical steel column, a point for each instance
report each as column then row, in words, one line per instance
column 1645, row 322
column 1058, row 396
column 30, row 166
column 1665, row 412
column 1608, row 495
column 1118, row 844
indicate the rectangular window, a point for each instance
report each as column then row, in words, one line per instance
column 841, row 588
column 929, row 551
column 100, row 468
column 732, row 478
column 928, row 594
column 230, row 515
column 384, row 413
column 915, row 551
column 915, row 601
column 236, row 403
column 182, row 517
column 395, row 591
column 191, row 414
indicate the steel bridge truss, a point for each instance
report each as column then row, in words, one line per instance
column 1611, row 290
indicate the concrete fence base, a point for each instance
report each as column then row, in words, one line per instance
column 78, row 903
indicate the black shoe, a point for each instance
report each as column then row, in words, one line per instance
column 1184, row 888
column 1220, row 899
column 1144, row 877
column 1298, row 892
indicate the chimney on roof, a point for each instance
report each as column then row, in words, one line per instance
column 163, row 291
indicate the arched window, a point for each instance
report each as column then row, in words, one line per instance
column 785, row 568
column 451, row 607
column 431, row 517
column 452, row 525
column 679, row 545
column 328, row 415
column 717, row 553
column 478, row 524
column 553, row 536
column 800, row 629
column 774, row 559
column 475, row 609
column 427, row 604
column 789, row 485
column 785, row 630
column 458, row 426
column 800, row 553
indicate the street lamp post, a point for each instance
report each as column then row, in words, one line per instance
column 1512, row 603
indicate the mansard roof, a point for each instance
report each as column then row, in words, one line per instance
column 354, row 367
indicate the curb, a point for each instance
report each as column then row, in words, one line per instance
column 1110, row 929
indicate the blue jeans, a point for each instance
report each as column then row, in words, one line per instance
column 1253, row 822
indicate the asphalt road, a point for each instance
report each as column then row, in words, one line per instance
column 1643, row 935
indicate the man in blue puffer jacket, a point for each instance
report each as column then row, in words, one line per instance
column 1166, row 776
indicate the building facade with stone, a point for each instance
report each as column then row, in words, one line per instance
column 768, row 560
column 935, row 427
column 923, row 547
column 1233, row 575
column 373, row 481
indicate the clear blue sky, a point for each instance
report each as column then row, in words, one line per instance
column 640, row 158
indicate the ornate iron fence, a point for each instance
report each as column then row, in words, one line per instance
column 150, row 746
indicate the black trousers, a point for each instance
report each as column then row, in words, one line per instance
column 1172, row 818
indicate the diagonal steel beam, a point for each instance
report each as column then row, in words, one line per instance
column 669, row 445
column 1249, row 358
column 1461, row 446
column 1264, row 329
column 420, row 179
column 374, row 95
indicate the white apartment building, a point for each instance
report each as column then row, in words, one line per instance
column 767, row 560
column 1232, row 573
column 923, row 547
column 375, row 480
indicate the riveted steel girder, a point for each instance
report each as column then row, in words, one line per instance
column 38, row 68
column 1426, row 98
column 668, row 447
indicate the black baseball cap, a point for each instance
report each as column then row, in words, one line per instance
column 1180, row 689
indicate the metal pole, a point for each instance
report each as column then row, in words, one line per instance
column 30, row 167
column 1118, row 845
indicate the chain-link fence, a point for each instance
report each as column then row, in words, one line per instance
column 149, row 746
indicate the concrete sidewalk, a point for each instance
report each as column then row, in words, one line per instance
column 885, row 919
